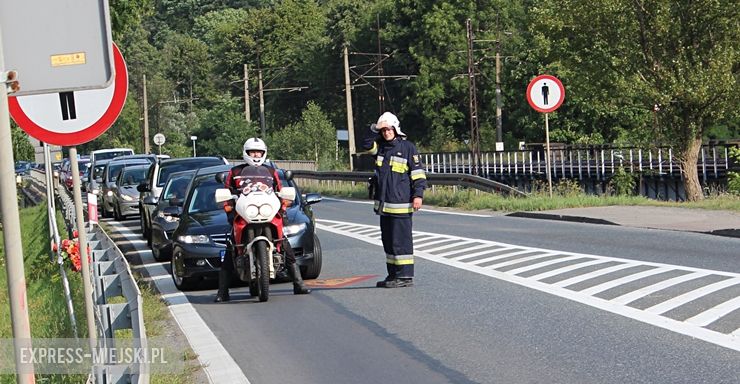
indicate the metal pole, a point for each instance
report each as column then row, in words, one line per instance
column 262, row 104
column 194, row 155
column 473, row 101
column 13, row 247
column 547, row 156
column 247, row 113
column 499, row 123
column 146, row 121
column 82, row 238
column 350, row 118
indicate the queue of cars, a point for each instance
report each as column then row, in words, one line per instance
column 179, row 216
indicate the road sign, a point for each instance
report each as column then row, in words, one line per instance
column 57, row 46
column 159, row 139
column 71, row 118
column 545, row 93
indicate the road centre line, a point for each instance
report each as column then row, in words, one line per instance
column 422, row 210
column 731, row 341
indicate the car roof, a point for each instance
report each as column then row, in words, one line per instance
column 126, row 158
column 188, row 159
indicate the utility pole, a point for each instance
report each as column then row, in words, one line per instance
column 262, row 103
column 473, row 102
column 381, row 85
column 499, row 123
column 246, row 93
column 350, row 119
column 146, row 120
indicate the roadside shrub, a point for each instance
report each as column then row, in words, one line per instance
column 622, row 182
column 733, row 178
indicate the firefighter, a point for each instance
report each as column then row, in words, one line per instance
column 255, row 155
column 398, row 189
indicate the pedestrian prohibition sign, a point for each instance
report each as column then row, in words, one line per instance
column 74, row 117
column 545, row 93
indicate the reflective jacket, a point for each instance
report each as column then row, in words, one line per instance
column 399, row 175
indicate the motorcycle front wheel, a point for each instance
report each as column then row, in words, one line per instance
column 263, row 270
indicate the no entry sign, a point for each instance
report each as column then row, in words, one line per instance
column 545, row 93
column 72, row 118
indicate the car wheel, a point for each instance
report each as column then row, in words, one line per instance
column 177, row 264
column 313, row 270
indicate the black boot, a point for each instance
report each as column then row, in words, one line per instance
column 299, row 288
column 224, row 281
column 391, row 276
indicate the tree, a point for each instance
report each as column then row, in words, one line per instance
column 634, row 55
column 313, row 138
column 22, row 148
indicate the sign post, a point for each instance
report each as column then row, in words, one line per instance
column 159, row 140
column 68, row 119
column 545, row 94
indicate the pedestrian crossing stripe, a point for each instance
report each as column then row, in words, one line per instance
column 338, row 282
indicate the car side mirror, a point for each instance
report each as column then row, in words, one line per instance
column 176, row 202
column 221, row 177
column 174, row 211
column 313, row 198
column 289, row 175
column 150, row 200
column 143, row 187
column 98, row 180
column 223, row 194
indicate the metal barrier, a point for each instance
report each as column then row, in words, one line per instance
column 459, row 179
column 112, row 278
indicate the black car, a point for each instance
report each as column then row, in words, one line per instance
column 199, row 241
column 163, row 222
column 157, row 175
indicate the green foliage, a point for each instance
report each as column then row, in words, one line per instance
column 733, row 178
column 22, row 148
column 223, row 129
column 622, row 182
column 312, row 138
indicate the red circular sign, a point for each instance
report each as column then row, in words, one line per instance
column 545, row 93
column 109, row 104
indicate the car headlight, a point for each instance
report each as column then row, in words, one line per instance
column 110, row 193
column 294, row 229
column 95, row 191
column 128, row 198
column 194, row 239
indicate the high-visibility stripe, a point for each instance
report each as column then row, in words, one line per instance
column 400, row 259
column 399, row 160
column 397, row 210
column 418, row 174
column 379, row 161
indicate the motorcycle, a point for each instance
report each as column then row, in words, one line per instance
column 257, row 231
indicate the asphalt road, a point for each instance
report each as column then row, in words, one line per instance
column 484, row 310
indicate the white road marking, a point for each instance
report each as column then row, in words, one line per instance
column 217, row 363
column 693, row 328
column 421, row 211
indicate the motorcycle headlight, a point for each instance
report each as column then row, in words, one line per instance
column 193, row 239
column 266, row 210
column 252, row 211
column 291, row 230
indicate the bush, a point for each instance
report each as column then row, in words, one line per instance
column 622, row 183
column 733, row 178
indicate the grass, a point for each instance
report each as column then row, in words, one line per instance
column 564, row 196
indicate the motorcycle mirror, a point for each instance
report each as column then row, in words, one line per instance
column 287, row 193
column 221, row 177
column 223, row 194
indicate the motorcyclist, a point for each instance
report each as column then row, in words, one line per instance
column 255, row 155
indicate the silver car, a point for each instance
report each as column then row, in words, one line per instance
column 125, row 196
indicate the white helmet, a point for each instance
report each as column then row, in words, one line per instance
column 255, row 144
column 391, row 120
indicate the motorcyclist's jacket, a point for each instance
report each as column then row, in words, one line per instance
column 241, row 175
column 399, row 175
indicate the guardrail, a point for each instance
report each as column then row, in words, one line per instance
column 112, row 278
column 455, row 179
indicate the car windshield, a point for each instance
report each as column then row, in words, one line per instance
column 204, row 196
column 115, row 169
column 133, row 176
column 168, row 169
column 176, row 187
column 98, row 172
